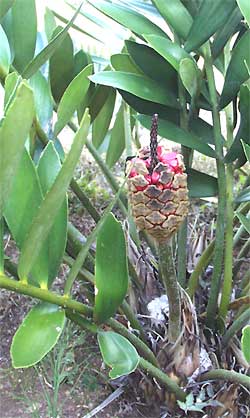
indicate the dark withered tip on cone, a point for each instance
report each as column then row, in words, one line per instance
column 157, row 186
column 153, row 143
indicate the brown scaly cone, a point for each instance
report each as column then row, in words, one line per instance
column 158, row 191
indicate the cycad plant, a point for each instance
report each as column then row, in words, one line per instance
column 145, row 309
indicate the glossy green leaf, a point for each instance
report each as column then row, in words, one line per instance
column 43, row 99
column 81, row 60
column 149, row 108
column 128, row 17
column 211, row 16
column 5, row 5
column 111, row 270
column 245, row 9
column 176, row 15
column 6, row 24
column 5, row 57
column 204, row 130
column 61, row 66
column 225, row 32
column 245, row 221
column 172, row 132
column 24, row 26
column 136, row 84
column 144, row 7
column 48, row 51
column 11, row 83
column 245, row 342
column 87, row 103
column 103, row 119
column 189, row 74
column 244, row 195
column 48, row 168
column 26, row 195
column 72, row 98
column 159, row 69
column 102, row 22
column 37, row 335
column 237, row 71
column 50, row 206
column 201, row 185
column 169, row 50
column 13, row 134
column 118, row 353
column 97, row 100
column 89, row 33
column 236, row 149
column 49, row 23
column 117, row 140
column 246, row 148
column 123, row 62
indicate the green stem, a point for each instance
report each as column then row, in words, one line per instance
column 243, row 252
column 170, row 282
column 1, row 247
column 187, row 156
column 80, row 259
column 84, row 273
column 245, row 284
column 227, row 375
column 107, row 173
column 246, row 184
column 219, row 236
column 163, row 378
column 239, row 234
column 45, row 295
column 200, row 266
column 127, row 128
column 75, row 243
column 11, row 268
column 236, row 326
column 228, row 259
column 82, row 322
column 244, row 209
column 136, row 136
column 182, row 253
column 84, row 200
column 134, row 323
column 207, row 255
column 109, row 176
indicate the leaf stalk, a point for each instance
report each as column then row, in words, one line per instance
column 220, row 226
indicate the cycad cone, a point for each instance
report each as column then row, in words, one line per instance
column 159, row 200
